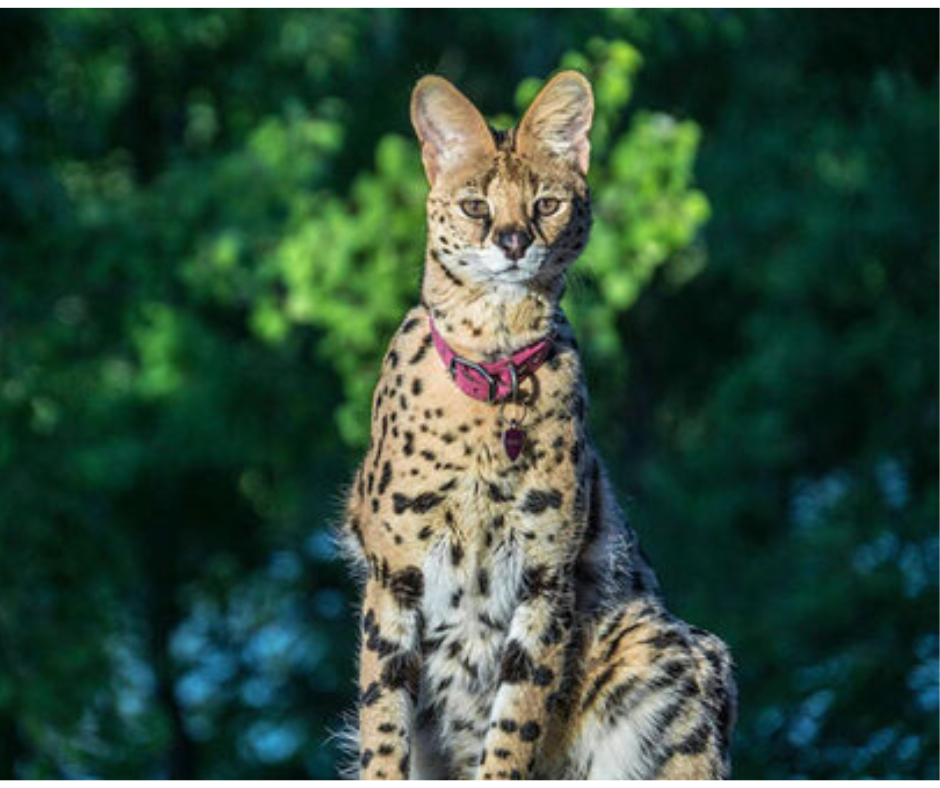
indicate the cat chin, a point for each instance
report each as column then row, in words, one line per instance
column 505, row 289
column 508, row 292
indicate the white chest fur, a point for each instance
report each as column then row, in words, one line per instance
column 469, row 587
column 471, row 592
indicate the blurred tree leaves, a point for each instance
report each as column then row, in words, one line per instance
column 213, row 221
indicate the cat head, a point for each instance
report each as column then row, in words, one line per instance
column 506, row 208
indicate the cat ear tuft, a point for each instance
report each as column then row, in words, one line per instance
column 559, row 119
column 451, row 130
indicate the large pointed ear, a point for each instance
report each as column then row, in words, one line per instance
column 451, row 130
column 559, row 120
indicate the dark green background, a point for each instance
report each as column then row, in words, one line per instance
column 210, row 223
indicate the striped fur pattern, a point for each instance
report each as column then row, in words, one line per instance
column 511, row 627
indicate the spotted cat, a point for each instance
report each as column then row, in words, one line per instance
column 511, row 626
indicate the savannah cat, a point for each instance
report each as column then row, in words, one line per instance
column 511, row 626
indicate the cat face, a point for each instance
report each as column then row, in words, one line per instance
column 506, row 209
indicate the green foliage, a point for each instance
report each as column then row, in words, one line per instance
column 350, row 266
column 213, row 221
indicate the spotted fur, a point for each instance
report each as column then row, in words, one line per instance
column 511, row 627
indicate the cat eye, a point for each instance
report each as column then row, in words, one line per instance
column 546, row 206
column 475, row 209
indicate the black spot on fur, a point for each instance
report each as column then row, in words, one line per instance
column 375, row 642
column 402, row 671
column 454, row 280
column 425, row 502
column 530, row 731
column 616, row 697
column 497, row 495
column 429, row 645
column 666, row 639
column 421, row 351
column 575, row 453
column 696, row 742
column 368, row 621
column 597, row 686
column 488, row 622
column 366, row 759
column 419, row 505
column 537, row 501
column 516, row 664
column 483, row 582
column 537, row 581
column 554, row 633
column 386, row 477
column 356, row 527
column 666, row 717
column 543, row 675
column 615, row 643
column 410, row 325
column 456, row 553
column 472, row 670
column 408, row 586
column 371, row 694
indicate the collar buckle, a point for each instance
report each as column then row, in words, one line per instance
column 490, row 381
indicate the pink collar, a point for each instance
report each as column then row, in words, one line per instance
column 493, row 381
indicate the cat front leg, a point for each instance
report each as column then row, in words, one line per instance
column 531, row 672
column 389, row 672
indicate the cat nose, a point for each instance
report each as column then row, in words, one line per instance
column 513, row 243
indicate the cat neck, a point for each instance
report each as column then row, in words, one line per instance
column 485, row 321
